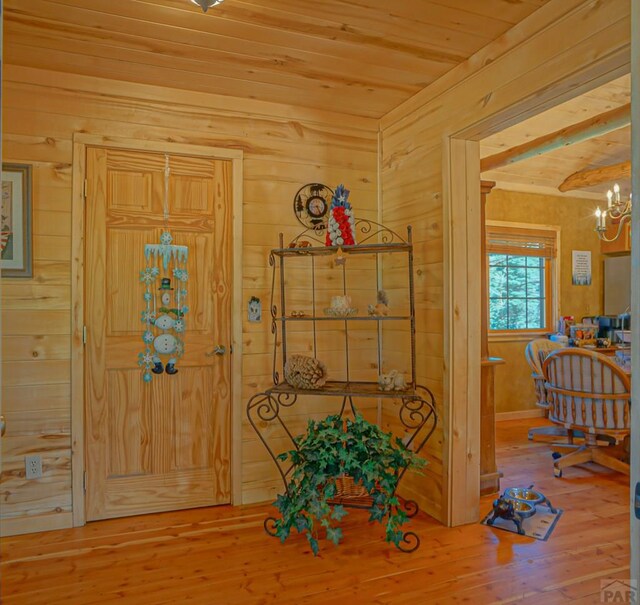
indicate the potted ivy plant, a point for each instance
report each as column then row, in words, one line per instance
column 329, row 451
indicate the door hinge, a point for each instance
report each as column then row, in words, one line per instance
column 84, row 482
column 636, row 505
column 84, row 335
column 85, row 186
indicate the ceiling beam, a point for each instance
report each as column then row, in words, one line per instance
column 589, row 178
column 587, row 129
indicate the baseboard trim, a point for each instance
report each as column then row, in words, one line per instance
column 35, row 523
column 490, row 483
column 519, row 414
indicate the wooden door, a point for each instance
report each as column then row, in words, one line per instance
column 162, row 445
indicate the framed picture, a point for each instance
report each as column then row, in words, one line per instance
column 15, row 221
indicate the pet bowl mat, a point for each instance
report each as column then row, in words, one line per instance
column 538, row 526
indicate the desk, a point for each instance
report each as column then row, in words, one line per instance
column 609, row 352
column 604, row 350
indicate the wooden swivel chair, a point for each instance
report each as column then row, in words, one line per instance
column 590, row 393
column 535, row 353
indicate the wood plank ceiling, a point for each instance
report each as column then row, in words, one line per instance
column 543, row 174
column 360, row 57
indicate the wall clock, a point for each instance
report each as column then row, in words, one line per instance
column 311, row 205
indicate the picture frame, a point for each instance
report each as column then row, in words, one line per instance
column 16, row 258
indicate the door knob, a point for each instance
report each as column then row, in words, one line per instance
column 3, row 425
column 218, row 350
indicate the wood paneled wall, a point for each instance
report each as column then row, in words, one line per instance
column 558, row 52
column 284, row 147
column 514, row 390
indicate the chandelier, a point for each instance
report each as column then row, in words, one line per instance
column 205, row 5
column 617, row 210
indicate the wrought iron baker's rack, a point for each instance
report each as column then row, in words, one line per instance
column 417, row 411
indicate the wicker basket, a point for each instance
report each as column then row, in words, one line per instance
column 346, row 487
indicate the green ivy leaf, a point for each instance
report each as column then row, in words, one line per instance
column 338, row 512
column 394, row 536
column 281, row 502
column 330, row 490
column 376, row 513
column 314, row 544
column 282, row 532
column 301, row 523
column 334, row 534
column 379, row 498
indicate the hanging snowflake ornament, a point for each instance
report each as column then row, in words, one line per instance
column 148, row 275
column 341, row 224
column 145, row 359
column 181, row 274
column 166, row 238
column 147, row 316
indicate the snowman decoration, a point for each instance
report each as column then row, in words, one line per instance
column 166, row 343
column 164, row 307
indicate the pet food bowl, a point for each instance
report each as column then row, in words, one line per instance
column 524, row 509
column 524, row 494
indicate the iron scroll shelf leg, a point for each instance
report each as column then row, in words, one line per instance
column 411, row 507
column 409, row 542
column 263, row 409
column 270, row 526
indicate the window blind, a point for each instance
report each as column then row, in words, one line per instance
column 521, row 241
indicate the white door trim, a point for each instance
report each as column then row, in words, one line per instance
column 80, row 142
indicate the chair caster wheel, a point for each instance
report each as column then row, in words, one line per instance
column 557, row 472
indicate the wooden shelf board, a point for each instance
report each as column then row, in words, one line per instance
column 330, row 250
column 353, row 318
column 340, row 388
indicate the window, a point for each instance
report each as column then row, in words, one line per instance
column 520, row 265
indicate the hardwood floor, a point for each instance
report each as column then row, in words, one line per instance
column 221, row 556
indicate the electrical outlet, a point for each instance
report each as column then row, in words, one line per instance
column 33, row 466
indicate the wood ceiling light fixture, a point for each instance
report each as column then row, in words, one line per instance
column 205, row 5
